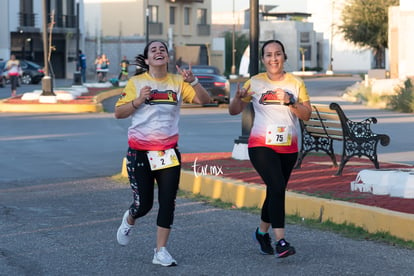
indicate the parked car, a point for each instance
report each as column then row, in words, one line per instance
column 213, row 81
column 32, row 72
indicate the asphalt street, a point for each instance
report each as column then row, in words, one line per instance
column 60, row 207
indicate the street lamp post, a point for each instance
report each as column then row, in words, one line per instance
column 330, row 66
column 240, row 147
column 77, row 77
column 147, row 23
column 233, row 48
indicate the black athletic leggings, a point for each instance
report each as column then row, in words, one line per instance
column 275, row 169
column 142, row 178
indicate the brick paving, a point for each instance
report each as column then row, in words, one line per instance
column 315, row 177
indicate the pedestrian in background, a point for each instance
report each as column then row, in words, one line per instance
column 102, row 67
column 153, row 99
column 13, row 73
column 123, row 75
column 82, row 65
column 279, row 99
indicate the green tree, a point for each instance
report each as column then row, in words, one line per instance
column 365, row 23
column 241, row 42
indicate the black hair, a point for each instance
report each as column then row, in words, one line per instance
column 140, row 59
column 274, row 41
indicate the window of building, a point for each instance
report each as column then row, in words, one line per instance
column 27, row 17
column 172, row 15
column 187, row 13
column 153, row 14
column 202, row 16
column 304, row 37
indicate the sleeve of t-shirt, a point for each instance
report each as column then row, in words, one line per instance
column 303, row 92
column 188, row 92
column 128, row 94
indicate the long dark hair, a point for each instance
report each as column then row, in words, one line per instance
column 140, row 59
column 274, row 41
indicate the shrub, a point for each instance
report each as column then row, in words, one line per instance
column 403, row 100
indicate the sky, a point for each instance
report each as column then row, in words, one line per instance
column 227, row 5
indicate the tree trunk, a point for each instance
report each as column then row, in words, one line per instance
column 379, row 57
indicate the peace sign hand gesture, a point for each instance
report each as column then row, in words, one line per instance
column 187, row 74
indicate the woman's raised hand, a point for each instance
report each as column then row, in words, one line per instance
column 187, row 74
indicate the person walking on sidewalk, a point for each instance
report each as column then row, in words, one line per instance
column 13, row 72
column 279, row 99
column 82, row 65
column 153, row 100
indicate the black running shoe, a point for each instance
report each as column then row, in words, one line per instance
column 283, row 249
column 265, row 242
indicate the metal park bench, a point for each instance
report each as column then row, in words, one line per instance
column 329, row 123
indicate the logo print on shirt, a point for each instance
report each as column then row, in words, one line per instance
column 162, row 97
column 269, row 97
column 122, row 95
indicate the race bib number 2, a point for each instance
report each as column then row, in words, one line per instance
column 162, row 159
column 278, row 135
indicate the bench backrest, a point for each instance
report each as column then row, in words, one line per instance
column 324, row 122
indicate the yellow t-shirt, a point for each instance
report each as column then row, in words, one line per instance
column 155, row 123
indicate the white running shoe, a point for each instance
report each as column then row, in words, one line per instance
column 162, row 257
column 124, row 230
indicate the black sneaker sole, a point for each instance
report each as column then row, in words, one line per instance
column 291, row 251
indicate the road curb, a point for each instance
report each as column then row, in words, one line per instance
column 242, row 194
column 93, row 107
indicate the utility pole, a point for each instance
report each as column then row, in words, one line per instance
column 240, row 150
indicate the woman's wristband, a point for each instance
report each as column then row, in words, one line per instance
column 195, row 82
column 133, row 105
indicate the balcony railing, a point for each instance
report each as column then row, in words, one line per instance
column 66, row 21
column 27, row 19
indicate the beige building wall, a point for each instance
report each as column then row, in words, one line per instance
column 125, row 20
column 401, row 28
column 123, row 17
column 128, row 18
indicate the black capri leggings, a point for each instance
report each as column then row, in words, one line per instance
column 275, row 169
column 142, row 178
column 14, row 81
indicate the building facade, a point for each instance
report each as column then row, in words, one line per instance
column 21, row 32
column 123, row 27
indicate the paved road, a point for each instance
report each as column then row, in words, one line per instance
column 59, row 210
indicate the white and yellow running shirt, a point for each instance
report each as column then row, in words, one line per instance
column 155, row 122
column 274, row 125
